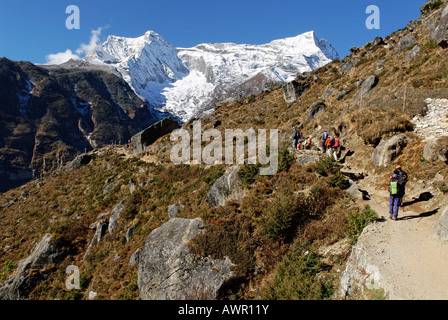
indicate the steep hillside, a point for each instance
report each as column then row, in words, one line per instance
column 138, row 224
column 49, row 116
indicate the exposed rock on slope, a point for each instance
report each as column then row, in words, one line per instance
column 148, row 136
column 31, row 270
column 389, row 150
column 225, row 188
column 168, row 271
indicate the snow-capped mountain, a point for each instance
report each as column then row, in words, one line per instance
column 182, row 81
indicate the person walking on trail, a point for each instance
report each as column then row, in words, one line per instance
column 295, row 138
column 394, row 199
column 402, row 180
column 336, row 148
column 308, row 143
column 323, row 138
column 328, row 145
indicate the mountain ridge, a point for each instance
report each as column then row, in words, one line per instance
column 182, row 81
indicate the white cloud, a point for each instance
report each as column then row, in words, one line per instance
column 61, row 57
column 84, row 49
column 94, row 39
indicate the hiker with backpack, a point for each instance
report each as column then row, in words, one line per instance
column 328, row 145
column 323, row 138
column 308, row 143
column 394, row 199
column 336, row 148
column 402, row 181
column 296, row 135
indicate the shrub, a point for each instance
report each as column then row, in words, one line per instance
column 297, row 277
column 326, row 166
column 339, row 181
column 357, row 221
column 248, row 173
column 7, row 269
column 285, row 159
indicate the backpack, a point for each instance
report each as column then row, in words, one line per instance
column 297, row 134
column 393, row 185
column 308, row 144
column 325, row 135
column 332, row 142
column 402, row 177
column 393, row 188
column 336, row 143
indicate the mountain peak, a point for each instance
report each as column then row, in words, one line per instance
column 182, row 81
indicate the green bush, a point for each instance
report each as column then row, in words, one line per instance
column 297, row 276
column 285, row 159
column 357, row 221
column 327, row 166
column 248, row 173
column 338, row 180
column 7, row 269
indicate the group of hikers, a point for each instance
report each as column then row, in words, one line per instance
column 330, row 145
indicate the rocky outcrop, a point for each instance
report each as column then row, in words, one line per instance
column 316, row 109
column 369, row 84
column 168, row 271
column 114, row 215
column 360, row 272
column 79, row 161
column 436, row 151
column 225, row 188
column 293, row 90
column 387, row 151
column 405, row 43
column 101, row 228
column 441, row 229
column 148, row 136
column 439, row 29
column 32, row 270
column 430, row 5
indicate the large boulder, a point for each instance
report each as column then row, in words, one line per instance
column 293, row 90
column 406, row 42
column 168, row 271
column 32, row 270
column 440, row 31
column 148, row 136
column 114, row 216
column 316, row 109
column 387, row 151
column 80, row 160
column 441, row 229
column 369, row 84
column 436, row 151
column 227, row 187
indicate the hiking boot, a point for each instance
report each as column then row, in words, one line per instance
column 391, row 216
column 394, row 218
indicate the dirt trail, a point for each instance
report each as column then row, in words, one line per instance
column 412, row 265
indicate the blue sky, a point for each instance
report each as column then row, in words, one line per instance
column 32, row 29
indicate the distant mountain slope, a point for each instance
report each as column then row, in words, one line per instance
column 48, row 116
column 182, row 81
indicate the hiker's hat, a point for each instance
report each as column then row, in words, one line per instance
column 398, row 167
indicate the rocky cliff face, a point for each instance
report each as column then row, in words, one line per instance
column 48, row 116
